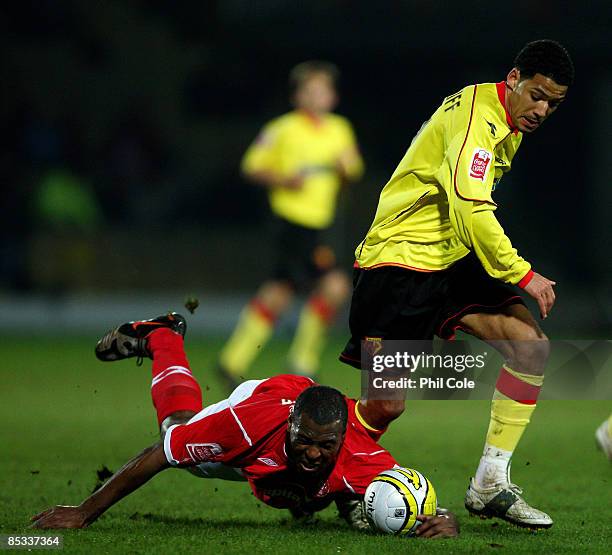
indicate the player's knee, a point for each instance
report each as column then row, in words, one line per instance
column 276, row 296
column 178, row 417
column 531, row 353
column 335, row 287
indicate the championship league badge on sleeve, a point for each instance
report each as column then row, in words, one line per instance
column 201, row 452
column 480, row 164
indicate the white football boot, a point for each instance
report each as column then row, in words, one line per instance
column 504, row 501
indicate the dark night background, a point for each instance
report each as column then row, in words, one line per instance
column 141, row 111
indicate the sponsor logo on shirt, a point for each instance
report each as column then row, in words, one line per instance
column 291, row 495
column 314, row 169
column 200, row 452
column 267, row 461
column 500, row 161
column 480, row 164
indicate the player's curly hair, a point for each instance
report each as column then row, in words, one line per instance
column 302, row 72
column 547, row 57
column 323, row 404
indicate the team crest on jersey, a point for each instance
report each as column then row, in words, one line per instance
column 200, row 452
column 481, row 160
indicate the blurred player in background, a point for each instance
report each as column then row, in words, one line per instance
column 299, row 445
column 436, row 259
column 603, row 436
column 302, row 158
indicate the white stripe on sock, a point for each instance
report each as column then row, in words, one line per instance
column 168, row 371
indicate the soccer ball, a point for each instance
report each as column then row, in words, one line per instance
column 395, row 497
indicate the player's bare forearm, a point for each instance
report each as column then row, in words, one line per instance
column 130, row 477
column 271, row 179
column 262, row 178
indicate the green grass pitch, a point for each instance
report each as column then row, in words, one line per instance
column 64, row 415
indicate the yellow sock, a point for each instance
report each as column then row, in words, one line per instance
column 511, row 409
column 610, row 426
column 254, row 328
column 509, row 418
column 309, row 339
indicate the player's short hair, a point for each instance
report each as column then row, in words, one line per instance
column 547, row 57
column 322, row 404
column 302, row 72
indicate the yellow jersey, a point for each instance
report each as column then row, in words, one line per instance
column 296, row 144
column 438, row 203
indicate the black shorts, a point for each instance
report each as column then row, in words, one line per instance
column 301, row 256
column 394, row 303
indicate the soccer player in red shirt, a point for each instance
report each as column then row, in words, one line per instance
column 299, row 445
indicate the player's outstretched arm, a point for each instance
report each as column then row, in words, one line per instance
column 443, row 525
column 274, row 180
column 127, row 479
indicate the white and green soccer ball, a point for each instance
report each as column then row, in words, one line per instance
column 395, row 497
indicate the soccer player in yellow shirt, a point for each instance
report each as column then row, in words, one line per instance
column 436, row 259
column 302, row 159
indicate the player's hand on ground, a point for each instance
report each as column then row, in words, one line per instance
column 541, row 289
column 442, row 525
column 60, row 516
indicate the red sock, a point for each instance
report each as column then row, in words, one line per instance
column 173, row 387
column 325, row 310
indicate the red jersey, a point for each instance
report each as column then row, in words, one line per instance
column 248, row 431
